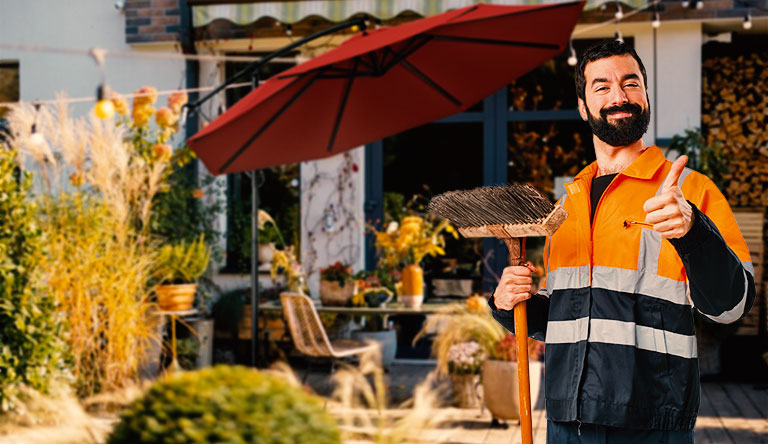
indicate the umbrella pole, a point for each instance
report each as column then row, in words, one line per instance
column 255, row 340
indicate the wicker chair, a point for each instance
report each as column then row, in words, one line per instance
column 309, row 335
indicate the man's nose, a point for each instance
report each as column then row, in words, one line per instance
column 618, row 96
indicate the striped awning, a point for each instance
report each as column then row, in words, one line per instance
column 340, row 10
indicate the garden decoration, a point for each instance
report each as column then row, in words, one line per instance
column 509, row 213
column 337, row 286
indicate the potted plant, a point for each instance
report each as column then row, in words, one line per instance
column 337, row 285
column 465, row 360
column 177, row 268
column 472, row 321
column 269, row 235
column 405, row 244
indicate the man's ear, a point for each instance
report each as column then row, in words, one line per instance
column 582, row 110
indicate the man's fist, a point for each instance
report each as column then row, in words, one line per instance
column 669, row 213
column 514, row 286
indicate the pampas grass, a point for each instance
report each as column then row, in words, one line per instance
column 95, row 193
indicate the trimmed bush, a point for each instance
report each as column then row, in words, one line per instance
column 225, row 404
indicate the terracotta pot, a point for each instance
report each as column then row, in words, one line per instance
column 331, row 293
column 412, row 278
column 500, row 391
column 176, row 297
column 466, row 390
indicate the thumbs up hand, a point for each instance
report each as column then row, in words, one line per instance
column 669, row 212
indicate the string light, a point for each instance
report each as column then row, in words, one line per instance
column 685, row 4
column 656, row 22
column 618, row 36
column 36, row 138
column 619, row 13
column 699, row 4
column 747, row 21
column 104, row 108
column 288, row 30
column 572, row 60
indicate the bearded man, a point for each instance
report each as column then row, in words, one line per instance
column 647, row 241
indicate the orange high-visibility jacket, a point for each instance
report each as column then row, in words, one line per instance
column 615, row 313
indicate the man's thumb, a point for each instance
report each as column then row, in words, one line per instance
column 674, row 172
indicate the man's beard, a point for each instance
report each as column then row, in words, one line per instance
column 624, row 131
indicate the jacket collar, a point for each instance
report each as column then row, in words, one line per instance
column 644, row 167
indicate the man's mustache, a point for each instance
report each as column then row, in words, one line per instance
column 625, row 108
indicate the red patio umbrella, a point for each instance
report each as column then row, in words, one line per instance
column 383, row 82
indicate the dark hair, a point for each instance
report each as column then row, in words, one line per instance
column 603, row 50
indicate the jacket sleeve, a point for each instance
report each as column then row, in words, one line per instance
column 537, row 309
column 716, row 260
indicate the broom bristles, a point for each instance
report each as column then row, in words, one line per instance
column 495, row 205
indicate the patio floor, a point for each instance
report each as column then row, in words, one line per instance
column 730, row 413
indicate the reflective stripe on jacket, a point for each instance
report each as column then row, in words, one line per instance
column 618, row 323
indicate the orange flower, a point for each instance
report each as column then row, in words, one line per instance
column 141, row 114
column 177, row 100
column 121, row 105
column 198, row 193
column 145, row 96
column 162, row 151
column 476, row 303
column 76, row 179
column 165, row 117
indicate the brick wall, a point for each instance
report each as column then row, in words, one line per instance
column 152, row 21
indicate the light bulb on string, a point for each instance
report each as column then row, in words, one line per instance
column 685, row 3
column 288, row 30
column 617, row 36
column 699, row 4
column 572, row 60
column 747, row 21
column 104, row 108
column 656, row 22
column 36, row 138
column 619, row 13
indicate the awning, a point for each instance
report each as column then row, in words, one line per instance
column 340, row 10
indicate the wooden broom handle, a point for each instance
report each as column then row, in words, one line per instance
column 517, row 257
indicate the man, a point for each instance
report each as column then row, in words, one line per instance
column 621, row 360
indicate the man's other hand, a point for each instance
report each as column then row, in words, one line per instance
column 514, row 286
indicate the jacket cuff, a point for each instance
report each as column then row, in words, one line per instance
column 696, row 236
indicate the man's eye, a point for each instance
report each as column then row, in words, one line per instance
column 601, row 88
column 633, row 85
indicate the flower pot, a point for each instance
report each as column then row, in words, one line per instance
column 466, row 390
column 500, row 389
column 387, row 339
column 412, row 278
column 331, row 293
column 412, row 301
column 176, row 297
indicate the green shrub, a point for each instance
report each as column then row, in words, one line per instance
column 225, row 404
column 31, row 351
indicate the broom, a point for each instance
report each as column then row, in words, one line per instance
column 510, row 213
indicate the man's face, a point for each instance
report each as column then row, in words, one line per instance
column 615, row 90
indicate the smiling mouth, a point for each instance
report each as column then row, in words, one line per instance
column 620, row 115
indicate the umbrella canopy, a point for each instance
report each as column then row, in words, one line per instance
column 382, row 82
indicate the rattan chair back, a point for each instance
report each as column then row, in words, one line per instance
column 307, row 330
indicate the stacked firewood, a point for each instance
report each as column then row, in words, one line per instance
column 735, row 114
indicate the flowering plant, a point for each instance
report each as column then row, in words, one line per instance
column 465, row 358
column 410, row 240
column 285, row 261
column 338, row 272
column 471, row 321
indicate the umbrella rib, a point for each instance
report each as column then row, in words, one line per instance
column 409, row 49
column 431, row 82
column 343, row 105
column 495, row 42
column 267, row 125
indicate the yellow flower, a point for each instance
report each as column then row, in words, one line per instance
column 162, row 151
column 120, row 103
column 177, row 100
column 165, row 117
column 141, row 114
column 144, row 96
